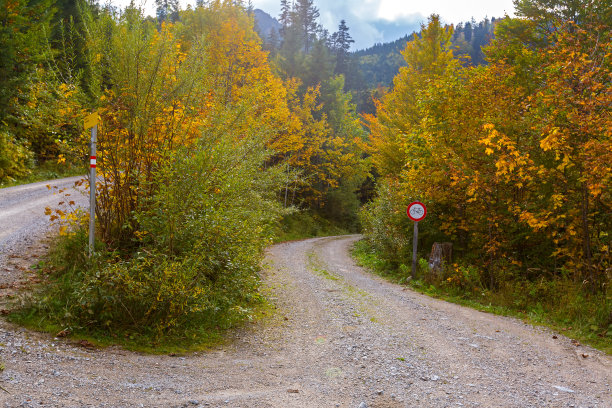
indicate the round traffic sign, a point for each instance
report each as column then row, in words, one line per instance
column 416, row 211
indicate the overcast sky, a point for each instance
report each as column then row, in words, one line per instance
column 374, row 21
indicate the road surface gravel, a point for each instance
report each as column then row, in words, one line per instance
column 339, row 337
column 24, row 225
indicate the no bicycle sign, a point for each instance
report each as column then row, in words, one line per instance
column 416, row 211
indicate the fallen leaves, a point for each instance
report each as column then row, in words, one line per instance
column 86, row 344
column 62, row 333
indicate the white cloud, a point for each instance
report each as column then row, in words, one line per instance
column 451, row 11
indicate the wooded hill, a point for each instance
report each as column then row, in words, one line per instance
column 376, row 66
column 380, row 63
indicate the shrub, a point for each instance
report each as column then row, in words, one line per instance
column 15, row 158
column 196, row 258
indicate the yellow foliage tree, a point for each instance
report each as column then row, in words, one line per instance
column 513, row 157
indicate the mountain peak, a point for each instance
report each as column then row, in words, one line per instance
column 265, row 23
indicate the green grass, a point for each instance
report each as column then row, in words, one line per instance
column 204, row 338
column 314, row 264
column 47, row 171
column 561, row 306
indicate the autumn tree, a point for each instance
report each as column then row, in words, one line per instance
column 187, row 191
column 511, row 156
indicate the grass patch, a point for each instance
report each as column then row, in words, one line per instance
column 560, row 305
column 368, row 258
column 315, row 265
column 204, row 337
column 49, row 170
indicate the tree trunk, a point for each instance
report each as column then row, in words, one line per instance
column 441, row 254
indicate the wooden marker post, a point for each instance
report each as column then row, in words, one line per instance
column 416, row 212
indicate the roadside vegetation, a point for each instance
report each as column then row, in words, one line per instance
column 46, row 171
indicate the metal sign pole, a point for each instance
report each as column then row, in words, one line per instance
column 416, row 212
column 415, row 241
column 92, row 189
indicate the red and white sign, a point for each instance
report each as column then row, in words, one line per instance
column 92, row 162
column 416, row 211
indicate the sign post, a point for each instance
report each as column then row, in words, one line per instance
column 416, row 212
column 91, row 121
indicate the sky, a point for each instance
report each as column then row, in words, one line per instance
column 378, row 21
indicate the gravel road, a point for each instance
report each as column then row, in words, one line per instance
column 23, row 223
column 340, row 337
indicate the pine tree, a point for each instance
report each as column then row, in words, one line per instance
column 285, row 16
column 306, row 15
column 23, row 25
column 341, row 44
column 271, row 43
column 167, row 11
column 467, row 32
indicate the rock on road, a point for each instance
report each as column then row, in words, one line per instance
column 339, row 337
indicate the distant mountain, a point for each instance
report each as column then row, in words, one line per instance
column 266, row 24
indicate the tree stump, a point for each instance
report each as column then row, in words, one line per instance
column 441, row 254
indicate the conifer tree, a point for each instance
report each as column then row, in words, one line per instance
column 341, row 44
column 285, row 15
column 306, row 15
column 167, row 10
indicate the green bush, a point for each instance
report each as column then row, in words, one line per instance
column 196, row 260
column 15, row 158
column 387, row 228
column 306, row 224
